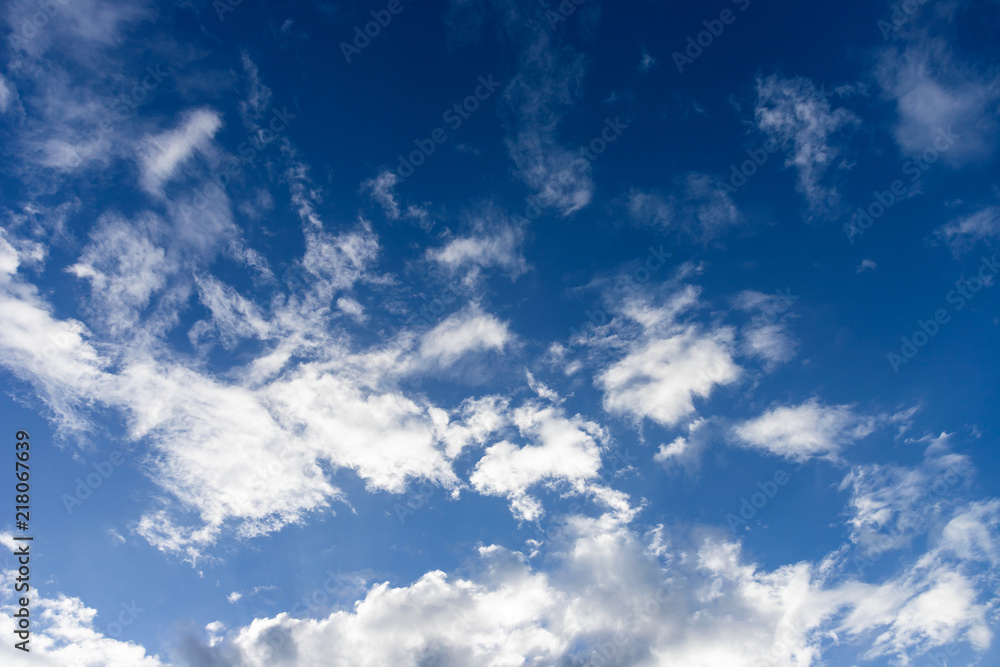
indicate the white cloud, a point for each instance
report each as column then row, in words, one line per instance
column 125, row 266
column 337, row 262
column 934, row 91
column 63, row 633
column 966, row 232
column 646, row 62
column 769, row 342
column 465, row 332
column 546, row 86
column 162, row 154
column 382, row 191
column 233, row 317
column 866, row 265
column 609, row 596
column 650, row 208
column 258, row 100
column 6, row 94
column 660, row 377
column 798, row 116
column 800, row 432
column 766, row 334
column 891, row 504
column 55, row 355
column 696, row 207
column 492, row 242
column 562, row 451
column 676, row 449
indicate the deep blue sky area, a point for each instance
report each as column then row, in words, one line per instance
column 507, row 333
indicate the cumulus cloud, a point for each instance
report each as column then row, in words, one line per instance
column 666, row 364
column 804, row 431
column 460, row 334
column 613, row 595
column 660, row 378
column 562, row 451
column 64, row 632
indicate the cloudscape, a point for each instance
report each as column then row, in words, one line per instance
column 488, row 333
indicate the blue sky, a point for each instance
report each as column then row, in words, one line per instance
column 508, row 333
